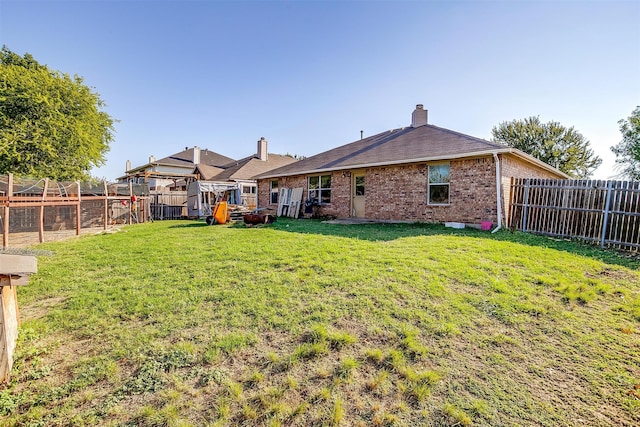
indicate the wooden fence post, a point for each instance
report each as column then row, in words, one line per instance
column 106, row 204
column 525, row 205
column 5, row 229
column 78, row 212
column 605, row 222
column 41, row 211
column 130, row 196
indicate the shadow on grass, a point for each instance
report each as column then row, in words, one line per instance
column 388, row 231
column 190, row 225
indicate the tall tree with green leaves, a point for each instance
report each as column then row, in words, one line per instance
column 563, row 148
column 51, row 125
column 628, row 150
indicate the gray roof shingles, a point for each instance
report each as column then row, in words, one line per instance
column 247, row 168
column 185, row 157
column 395, row 146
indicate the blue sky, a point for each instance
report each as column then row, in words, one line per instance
column 309, row 75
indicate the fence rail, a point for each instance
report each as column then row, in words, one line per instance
column 602, row 212
column 41, row 208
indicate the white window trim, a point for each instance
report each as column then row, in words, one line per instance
column 272, row 192
column 320, row 188
column 448, row 184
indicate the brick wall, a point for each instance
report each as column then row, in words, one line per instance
column 340, row 206
column 264, row 189
column 400, row 192
column 515, row 167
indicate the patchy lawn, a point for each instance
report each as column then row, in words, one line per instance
column 304, row 323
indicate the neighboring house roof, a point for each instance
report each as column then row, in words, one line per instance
column 207, row 172
column 398, row 146
column 247, row 168
column 185, row 159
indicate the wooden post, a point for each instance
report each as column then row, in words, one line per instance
column 525, row 202
column 106, row 204
column 78, row 212
column 41, row 211
column 5, row 230
column 14, row 271
column 130, row 195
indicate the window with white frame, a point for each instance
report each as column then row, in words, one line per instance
column 273, row 191
column 249, row 189
column 438, row 184
column 320, row 188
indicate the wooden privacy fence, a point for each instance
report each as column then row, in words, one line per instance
column 171, row 205
column 40, row 207
column 602, row 212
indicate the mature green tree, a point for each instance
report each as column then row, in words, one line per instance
column 628, row 150
column 51, row 124
column 563, row 148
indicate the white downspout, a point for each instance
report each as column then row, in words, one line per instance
column 498, row 192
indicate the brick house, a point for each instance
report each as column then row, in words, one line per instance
column 420, row 172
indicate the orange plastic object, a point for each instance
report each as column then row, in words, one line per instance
column 220, row 212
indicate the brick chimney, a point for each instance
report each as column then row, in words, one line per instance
column 196, row 155
column 419, row 116
column 262, row 149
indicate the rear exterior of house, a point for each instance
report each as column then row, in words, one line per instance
column 419, row 173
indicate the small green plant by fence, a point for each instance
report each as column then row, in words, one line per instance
column 606, row 213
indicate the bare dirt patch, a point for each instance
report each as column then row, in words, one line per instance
column 40, row 308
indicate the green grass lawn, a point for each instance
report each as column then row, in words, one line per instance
column 304, row 323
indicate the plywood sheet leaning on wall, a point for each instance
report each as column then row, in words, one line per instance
column 294, row 204
column 283, row 202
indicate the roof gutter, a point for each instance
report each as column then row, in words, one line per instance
column 498, row 191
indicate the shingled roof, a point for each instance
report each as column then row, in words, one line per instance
column 207, row 172
column 399, row 146
column 185, row 157
column 251, row 166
